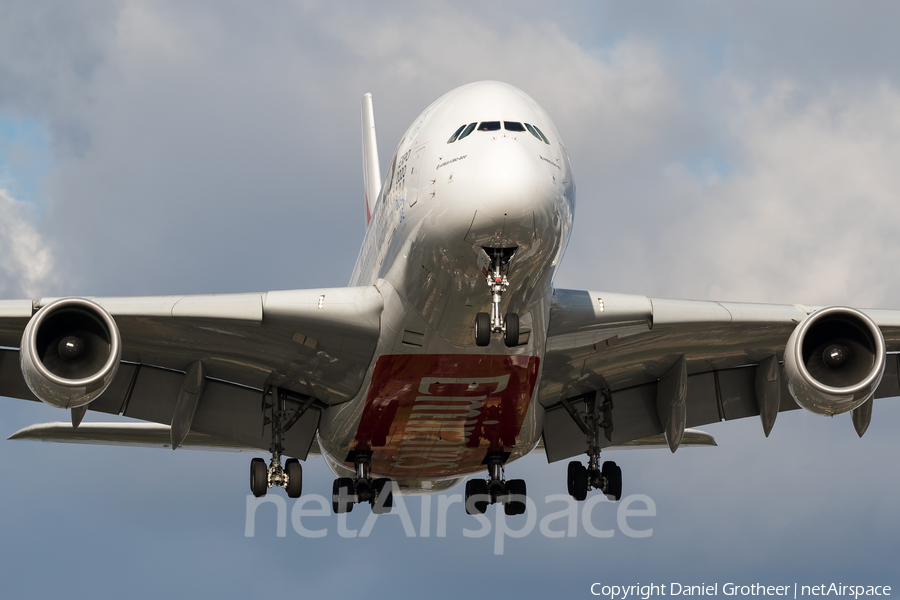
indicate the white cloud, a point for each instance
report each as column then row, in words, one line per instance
column 26, row 262
column 244, row 121
column 810, row 212
column 615, row 101
column 807, row 213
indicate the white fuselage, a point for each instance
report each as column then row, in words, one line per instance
column 433, row 403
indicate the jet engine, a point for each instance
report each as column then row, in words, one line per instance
column 834, row 360
column 70, row 352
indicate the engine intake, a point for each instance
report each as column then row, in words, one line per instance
column 70, row 352
column 834, row 360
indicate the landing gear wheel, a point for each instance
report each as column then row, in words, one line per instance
column 342, row 495
column 578, row 481
column 259, row 477
column 294, row 471
column 482, row 329
column 383, row 501
column 476, row 496
column 613, row 475
column 511, row 335
column 518, row 493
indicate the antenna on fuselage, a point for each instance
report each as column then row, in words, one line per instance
column 371, row 169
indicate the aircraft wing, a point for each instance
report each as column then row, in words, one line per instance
column 621, row 346
column 151, row 435
column 315, row 343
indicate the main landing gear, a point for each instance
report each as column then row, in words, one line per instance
column 290, row 477
column 480, row 492
column 488, row 324
column 606, row 477
column 348, row 491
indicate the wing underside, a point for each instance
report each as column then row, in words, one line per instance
column 621, row 346
column 314, row 344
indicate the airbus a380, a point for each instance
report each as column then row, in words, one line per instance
column 450, row 354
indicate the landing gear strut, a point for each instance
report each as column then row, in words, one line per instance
column 606, row 477
column 348, row 491
column 488, row 324
column 290, row 477
column 480, row 493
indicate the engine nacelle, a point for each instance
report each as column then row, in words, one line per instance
column 70, row 352
column 834, row 360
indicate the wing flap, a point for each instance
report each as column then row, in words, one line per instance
column 143, row 435
column 230, row 412
column 693, row 438
column 711, row 397
column 146, row 435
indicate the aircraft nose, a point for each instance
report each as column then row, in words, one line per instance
column 505, row 178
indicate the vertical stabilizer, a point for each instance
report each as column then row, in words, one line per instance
column 371, row 169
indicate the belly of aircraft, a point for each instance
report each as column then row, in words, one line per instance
column 430, row 416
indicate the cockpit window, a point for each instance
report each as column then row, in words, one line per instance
column 533, row 132
column 469, row 129
column 541, row 133
column 456, row 134
column 512, row 126
column 489, row 126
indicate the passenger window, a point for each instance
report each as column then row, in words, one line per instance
column 467, row 131
column 543, row 137
column 489, row 126
column 533, row 132
column 456, row 134
column 513, row 126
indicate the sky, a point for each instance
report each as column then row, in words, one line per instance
column 721, row 151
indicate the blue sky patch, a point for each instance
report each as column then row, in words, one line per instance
column 24, row 157
column 705, row 165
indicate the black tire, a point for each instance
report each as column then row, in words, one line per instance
column 259, row 477
column 482, row 329
column 342, row 495
column 613, row 475
column 516, row 488
column 295, row 477
column 383, row 501
column 511, row 336
column 476, row 487
column 578, row 481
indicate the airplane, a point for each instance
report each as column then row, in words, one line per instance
column 450, row 354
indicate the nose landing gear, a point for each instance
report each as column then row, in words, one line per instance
column 488, row 324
